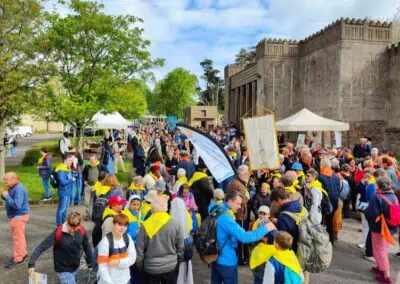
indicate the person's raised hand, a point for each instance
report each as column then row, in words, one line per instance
column 270, row 226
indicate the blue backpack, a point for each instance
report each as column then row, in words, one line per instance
column 345, row 190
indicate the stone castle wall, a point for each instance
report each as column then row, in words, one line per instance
column 343, row 72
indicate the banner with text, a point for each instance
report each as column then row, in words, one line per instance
column 211, row 152
column 262, row 143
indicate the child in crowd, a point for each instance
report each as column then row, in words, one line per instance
column 283, row 266
column 132, row 211
column 263, row 197
column 219, row 195
column 114, row 267
column 259, row 253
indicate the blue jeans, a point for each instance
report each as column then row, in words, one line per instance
column 224, row 274
column 77, row 194
column 13, row 151
column 61, row 215
column 46, row 185
column 67, row 277
column 258, row 279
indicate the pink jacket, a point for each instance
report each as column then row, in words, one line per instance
column 189, row 202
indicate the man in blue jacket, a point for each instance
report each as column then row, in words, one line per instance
column 224, row 269
column 65, row 188
column 16, row 201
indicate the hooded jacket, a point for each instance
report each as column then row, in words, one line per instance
column 286, row 223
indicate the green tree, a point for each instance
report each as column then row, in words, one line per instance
column 98, row 56
column 214, row 85
column 174, row 93
column 246, row 57
column 22, row 67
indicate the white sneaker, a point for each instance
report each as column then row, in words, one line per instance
column 370, row 259
column 361, row 246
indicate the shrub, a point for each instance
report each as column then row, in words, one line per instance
column 31, row 157
column 42, row 131
column 53, row 146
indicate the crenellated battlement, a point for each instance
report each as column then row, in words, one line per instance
column 341, row 29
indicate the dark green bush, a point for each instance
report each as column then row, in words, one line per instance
column 31, row 157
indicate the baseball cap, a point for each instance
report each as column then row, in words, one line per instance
column 160, row 185
column 150, row 196
column 116, row 200
column 264, row 209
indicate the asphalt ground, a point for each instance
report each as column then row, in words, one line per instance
column 347, row 266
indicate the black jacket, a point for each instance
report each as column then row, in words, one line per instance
column 67, row 252
column 203, row 194
column 260, row 200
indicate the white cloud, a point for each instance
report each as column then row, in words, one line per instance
column 184, row 32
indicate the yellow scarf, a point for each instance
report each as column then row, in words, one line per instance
column 288, row 259
column 230, row 212
column 95, row 165
column 108, row 211
column 372, row 180
column 291, row 188
column 135, row 187
column 189, row 222
column 145, row 208
column 100, row 189
column 41, row 159
column 197, row 176
column 63, row 167
column 153, row 176
column 182, row 180
column 155, row 223
column 131, row 217
column 301, row 174
column 256, row 223
column 317, row 184
column 260, row 254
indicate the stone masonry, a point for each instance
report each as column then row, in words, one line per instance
column 348, row 71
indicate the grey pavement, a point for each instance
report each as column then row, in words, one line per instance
column 347, row 266
column 25, row 143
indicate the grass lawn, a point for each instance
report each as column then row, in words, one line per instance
column 33, row 183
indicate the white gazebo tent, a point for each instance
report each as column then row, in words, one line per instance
column 306, row 120
column 110, row 121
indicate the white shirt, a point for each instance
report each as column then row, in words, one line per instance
column 119, row 274
column 64, row 144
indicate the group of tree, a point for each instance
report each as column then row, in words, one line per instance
column 70, row 67
column 246, row 57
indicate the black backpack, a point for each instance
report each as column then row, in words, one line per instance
column 99, row 205
column 111, row 242
column 54, row 181
column 326, row 205
column 206, row 241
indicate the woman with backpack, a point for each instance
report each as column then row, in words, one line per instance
column 44, row 166
column 383, row 215
column 180, row 213
column 116, row 253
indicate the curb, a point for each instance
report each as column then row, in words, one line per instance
column 35, row 202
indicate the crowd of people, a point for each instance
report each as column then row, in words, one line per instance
column 145, row 231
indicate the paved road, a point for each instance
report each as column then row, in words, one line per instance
column 347, row 267
column 25, row 144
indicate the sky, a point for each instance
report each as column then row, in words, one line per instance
column 185, row 32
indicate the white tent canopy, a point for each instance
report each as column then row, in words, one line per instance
column 110, row 121
column 306, row 120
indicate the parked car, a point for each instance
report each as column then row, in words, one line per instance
column 20, row 131
column 86, row 132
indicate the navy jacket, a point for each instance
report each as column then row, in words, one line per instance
column 376, row 207
column 332, row 186
column 286, row 223
column 45, row 168
column 189, row 166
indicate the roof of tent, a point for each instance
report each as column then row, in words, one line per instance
column 108, row 121
column 306, row 120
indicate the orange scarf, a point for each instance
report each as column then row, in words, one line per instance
column 326, row 172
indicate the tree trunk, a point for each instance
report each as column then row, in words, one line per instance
column 79, row 141
column 2, row 149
